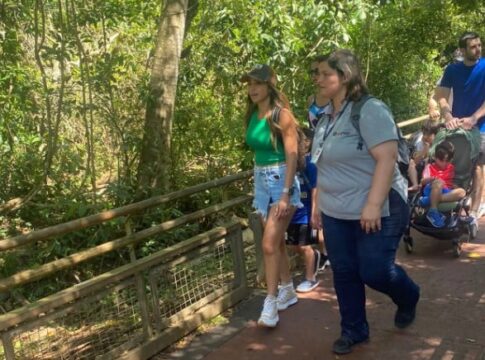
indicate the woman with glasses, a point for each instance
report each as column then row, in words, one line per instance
column 362, row 199
column 276, row 188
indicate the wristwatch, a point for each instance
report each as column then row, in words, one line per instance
column 288, row 191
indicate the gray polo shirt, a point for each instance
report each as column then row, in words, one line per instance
column 344, row 171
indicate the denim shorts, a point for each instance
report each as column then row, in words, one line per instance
column 269, row 182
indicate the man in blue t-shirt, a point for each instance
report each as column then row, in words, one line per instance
column 467, row 81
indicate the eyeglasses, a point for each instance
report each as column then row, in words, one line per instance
column 314, row 72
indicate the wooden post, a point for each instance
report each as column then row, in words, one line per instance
column 8, row 349
column 140, row 288
column 256, row 225
column 235, row 237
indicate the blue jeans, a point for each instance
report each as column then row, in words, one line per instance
column 360, row 259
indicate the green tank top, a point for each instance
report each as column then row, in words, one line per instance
column 258, row 138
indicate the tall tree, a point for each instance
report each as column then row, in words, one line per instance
column 155, row 160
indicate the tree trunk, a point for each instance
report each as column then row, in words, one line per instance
column 155, row 161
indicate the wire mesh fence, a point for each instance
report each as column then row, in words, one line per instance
column 83, row 330
column 108, row 322
column 184, row 285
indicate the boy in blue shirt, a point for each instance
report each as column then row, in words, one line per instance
column 300, row 236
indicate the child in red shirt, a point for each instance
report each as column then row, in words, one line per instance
column 438, row 184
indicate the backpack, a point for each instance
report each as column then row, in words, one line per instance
column 402, row 144
column 301, row 147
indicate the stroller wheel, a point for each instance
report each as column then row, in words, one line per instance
column 408, row 243
column 456, row 248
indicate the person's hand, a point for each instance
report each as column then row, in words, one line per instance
column 468, row 122
column 453, row 123
column 370, row 220
column 434, row 114
column 316, row 220
column 282, row 208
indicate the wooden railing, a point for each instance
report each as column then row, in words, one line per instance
column 162, row 316
column 139, row 287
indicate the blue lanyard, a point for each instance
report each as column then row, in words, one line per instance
column 328, row 130
column 331, row 125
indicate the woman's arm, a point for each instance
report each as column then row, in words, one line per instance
column 385, row 155
column 289, row 136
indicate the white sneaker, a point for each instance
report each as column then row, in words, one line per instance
column 307, row 286
column 286, row 297
column 269, row 315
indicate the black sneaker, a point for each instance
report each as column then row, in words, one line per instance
column 343, row 345
column 404, row 318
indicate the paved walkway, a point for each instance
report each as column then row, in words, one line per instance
column 450, row 321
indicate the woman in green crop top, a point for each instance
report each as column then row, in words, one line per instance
column 276, row 188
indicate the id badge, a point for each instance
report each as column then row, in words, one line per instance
column 316, row 154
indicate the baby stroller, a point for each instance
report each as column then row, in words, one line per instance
column 459, row 226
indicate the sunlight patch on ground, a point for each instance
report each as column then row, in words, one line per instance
column 482, row 299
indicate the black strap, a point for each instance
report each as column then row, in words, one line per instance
column 355, row 117
column 402, row 147
column 275, row 114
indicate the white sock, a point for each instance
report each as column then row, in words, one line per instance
column 288, row 284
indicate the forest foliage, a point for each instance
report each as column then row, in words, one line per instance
column 74, row 77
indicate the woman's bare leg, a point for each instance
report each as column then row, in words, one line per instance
column 275, row 258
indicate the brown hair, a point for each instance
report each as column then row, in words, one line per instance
column 320, row 58
column 431, row 127
column 467, row 35
column 276, row 99
column 348, row 67
column 444, row 151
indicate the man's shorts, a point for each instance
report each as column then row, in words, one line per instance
column 300, row 235
column 481, row 157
